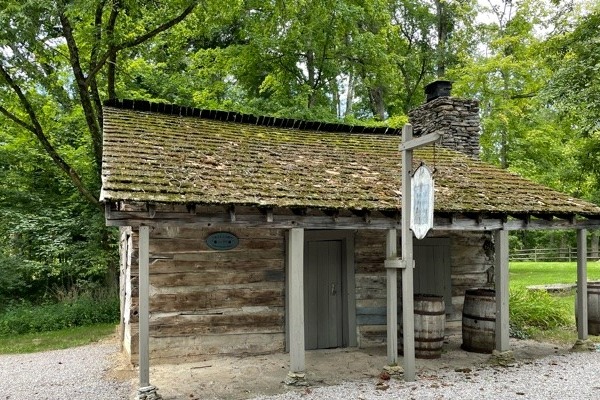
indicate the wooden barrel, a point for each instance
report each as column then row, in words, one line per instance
column 479, row 320
column 593, row 302
column 430, row 323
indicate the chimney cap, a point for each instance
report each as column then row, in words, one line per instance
column 437, row 89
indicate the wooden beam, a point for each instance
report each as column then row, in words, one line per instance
column 419, row 141
column 582, row 309
column 334, row 213
column 144, row 314
column 231, row 211
column 151, row 210
column 546, row 217
column 391, row 253
column 408, row 322
column 502, row 294
column 268, row 213
column 299, row 211
column 295, row 261
column 220, row 219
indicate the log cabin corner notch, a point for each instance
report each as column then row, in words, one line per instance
column 186, row 173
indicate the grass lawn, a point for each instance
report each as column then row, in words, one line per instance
column 62, row 339
column 523, row 274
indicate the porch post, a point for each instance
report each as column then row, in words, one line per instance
column 295, row 254
column 502, row 293
column 582, row 309
column 145, row 391
column 391, row 253
column 408, row 311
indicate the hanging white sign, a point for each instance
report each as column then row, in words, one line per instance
column 421, row 216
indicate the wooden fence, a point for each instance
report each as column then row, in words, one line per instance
column 550, row 254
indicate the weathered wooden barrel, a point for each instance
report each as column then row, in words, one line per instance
column 593, row 302
column 430, row 323
column 593, row 298
column 479, row 320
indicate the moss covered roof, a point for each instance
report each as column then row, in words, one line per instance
column 165, row 158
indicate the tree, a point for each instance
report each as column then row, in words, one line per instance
column 58, row 60
column 57, row 55
column 574, row 92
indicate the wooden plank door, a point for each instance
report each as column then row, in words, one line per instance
column 323, row 309
column 433, row 269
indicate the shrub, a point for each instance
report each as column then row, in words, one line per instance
column 74, row 310
column 530, row 310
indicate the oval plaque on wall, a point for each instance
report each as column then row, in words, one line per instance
column 222, row 241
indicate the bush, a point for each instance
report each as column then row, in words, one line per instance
column 73, row 310
column 531, row 310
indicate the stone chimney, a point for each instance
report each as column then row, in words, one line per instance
column 457, row 119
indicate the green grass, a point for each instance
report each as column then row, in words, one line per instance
column 61, row 339
column 526, row 273
column 546, row 317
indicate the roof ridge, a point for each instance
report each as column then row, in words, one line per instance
column 233, row 116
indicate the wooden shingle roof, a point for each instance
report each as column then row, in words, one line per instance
column 187, row 158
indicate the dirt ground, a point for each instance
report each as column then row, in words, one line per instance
column 251, row 376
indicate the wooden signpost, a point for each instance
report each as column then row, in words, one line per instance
column 422, row 223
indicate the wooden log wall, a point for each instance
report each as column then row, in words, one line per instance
column 472, row 260
column 371, row 294
column 472, row 255
column 208, row 302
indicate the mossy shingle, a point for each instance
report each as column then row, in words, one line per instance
column 157, row 157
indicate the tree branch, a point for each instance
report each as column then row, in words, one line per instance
column 112, row 60
column 16, row 119
column 82, row 88
column 523, row 96
column 140, row 39
column 38, row 131
column 93, row 57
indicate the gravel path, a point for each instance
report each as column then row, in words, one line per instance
column 75, row 373
column 81, row 373
column 567, row 376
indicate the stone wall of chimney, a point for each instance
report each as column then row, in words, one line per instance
column 457, row 119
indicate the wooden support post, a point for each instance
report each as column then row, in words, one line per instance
column 408, row 317
column 502, row 293
column 391, row 252
column 582, row 309
column 144, row 313
column 295, row 254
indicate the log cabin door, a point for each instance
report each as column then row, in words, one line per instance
column 433, row 268
column 323, row 307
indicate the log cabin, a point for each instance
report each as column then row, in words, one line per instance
column 252, row 235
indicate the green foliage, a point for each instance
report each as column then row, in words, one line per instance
column 537, row 309
column 542, row 239
column 75, row 310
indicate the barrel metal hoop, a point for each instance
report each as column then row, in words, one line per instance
column 477, row 317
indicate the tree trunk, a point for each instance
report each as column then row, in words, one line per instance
column 377, row 105
column 349, row 95
column 443, row 26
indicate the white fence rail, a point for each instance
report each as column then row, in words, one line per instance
column 551, row 254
